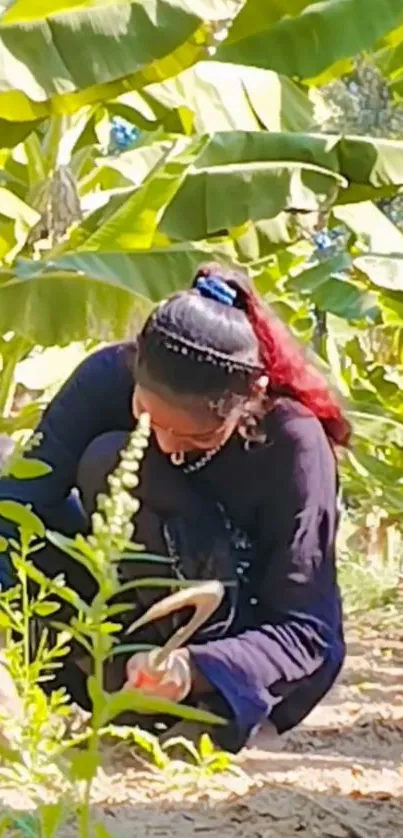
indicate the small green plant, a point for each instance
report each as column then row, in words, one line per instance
column 367, row 584
column 368, row 579
column 178, row 759
column 94, row 626
column 33, row 736
column 36, row 738
column 204, row 757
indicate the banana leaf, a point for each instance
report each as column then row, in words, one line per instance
column 303, row 38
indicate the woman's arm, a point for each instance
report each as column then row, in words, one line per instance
column 297, row 640
column 95, row 399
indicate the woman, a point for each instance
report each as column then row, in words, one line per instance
column 239, row 483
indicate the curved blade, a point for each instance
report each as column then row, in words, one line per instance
column 204, row 597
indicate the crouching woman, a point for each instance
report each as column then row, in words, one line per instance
column 239, row 483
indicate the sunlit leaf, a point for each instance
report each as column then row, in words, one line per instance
column 144, row 557
column 301, row 38
column 246, row 175
column 101, row 831
column 99, row 295
column 204, row 97
column 384, row 271
column 22, row 515
column 83, row 765
column 5, row 621
column 206, row 746
column 13, row 133
column 13, row 207
column 372, row 225
column 45, row 609
column 51, row 816
column 121, row 46
column 133, row 225
column 138, row 702
column 24, row 469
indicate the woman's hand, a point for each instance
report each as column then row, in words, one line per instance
column 171, row 680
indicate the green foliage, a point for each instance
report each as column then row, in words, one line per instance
column 122, row 46
column 201, row 100
column 301, row 38
column 208, row 759
column 178, row 757
column 97, row 296
column 241, row 176
column 110, row 235
column 35, row 737
column 41, row 748
column 14, row 463
column 239, row 155
column 369, row 579
column 138, row 244
column 364, row 103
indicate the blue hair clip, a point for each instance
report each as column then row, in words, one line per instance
column 216, row 289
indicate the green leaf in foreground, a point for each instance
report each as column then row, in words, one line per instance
column 301, row 38
column 24, row 469
column 121, row 46
column 137, row 702
column 83, row 765
column 22, row 515
column 100, row 295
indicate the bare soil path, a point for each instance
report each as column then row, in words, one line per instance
column 340, row 775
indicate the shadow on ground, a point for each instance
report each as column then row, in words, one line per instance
column 339, row 775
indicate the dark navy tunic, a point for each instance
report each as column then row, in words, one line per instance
column 288, row 645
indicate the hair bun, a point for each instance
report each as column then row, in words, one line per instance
column 216, row 288
column 231, row 281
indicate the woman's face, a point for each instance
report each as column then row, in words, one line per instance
column 190, row 426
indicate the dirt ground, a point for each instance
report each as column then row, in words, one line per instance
column 340, row 775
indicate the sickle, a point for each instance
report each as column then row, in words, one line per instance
column 204, row 597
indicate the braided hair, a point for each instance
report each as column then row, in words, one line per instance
column 216, row 339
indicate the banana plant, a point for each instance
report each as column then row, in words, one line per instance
column 39, row 200
column 175, row 201
column 302, row 38
column 122, row 46
column 201, row 100
column 230, row 163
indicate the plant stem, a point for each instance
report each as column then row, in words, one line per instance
column 93, row 743
column 51, row 142
column 25, row 618
column 84, row 821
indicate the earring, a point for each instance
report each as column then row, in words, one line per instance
column 262, row 384
column 178, row 458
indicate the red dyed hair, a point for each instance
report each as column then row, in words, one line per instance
column 284, row 361
column 290, row 373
